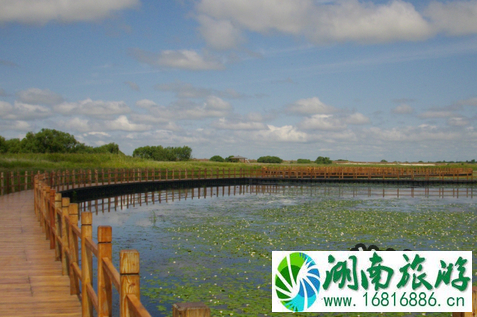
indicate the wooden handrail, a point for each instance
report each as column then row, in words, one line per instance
column 136, row 307
column 91, row 245
column 112, row 272
column 92, row 296
column 59, row 219
column 65, row 180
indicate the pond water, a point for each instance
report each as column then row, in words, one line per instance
column 217, row 250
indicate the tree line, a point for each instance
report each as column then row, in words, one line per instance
column 159, row 153
column 274, row 159
column 52, row 141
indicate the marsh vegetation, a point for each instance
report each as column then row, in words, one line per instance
column 218, row 250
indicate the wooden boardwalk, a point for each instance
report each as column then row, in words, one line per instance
column 31, row 283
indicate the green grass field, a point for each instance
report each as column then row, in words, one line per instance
column 57, row 161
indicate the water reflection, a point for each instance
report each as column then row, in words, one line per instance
column 168, row 196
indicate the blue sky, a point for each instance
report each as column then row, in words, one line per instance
column 359, row 80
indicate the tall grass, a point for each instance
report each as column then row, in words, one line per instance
column 59, row 161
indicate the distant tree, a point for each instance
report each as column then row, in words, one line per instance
column 384, row 161
column 269, row 159
column 217, row 158
column 13, row 146
column 159, row 153
column 303, row 161
column 112, row 148
column 53, row 141
column 228, row 158
column 48, row 141
column 3, row 145
column 323, row 160
column 182, row 153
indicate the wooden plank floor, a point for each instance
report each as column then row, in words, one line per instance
column 31, row 283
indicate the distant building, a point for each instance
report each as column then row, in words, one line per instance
column 239, row 158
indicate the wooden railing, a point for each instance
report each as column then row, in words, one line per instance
column 74, row 247
column 11, row 182
column 339, row 172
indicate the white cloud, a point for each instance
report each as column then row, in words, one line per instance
column 433, row 114
column 225, row 124
column 15, row 125
column 147, row 104
column 39, row 96
column 122, row 123
column 182, row 59
column 319, row 22
column 421, row 133
column 43, row 11
column 453, row 17
column 189, row 91
column 458, row 121
column 77, row 124
column 357, row 118
column 285, row 133
column 220, row 34
column 154, row 116
column 183, row 109
column 310, row 106
column 100, row 134
column 93, row 108
column 5, row 108
column 402, row 109
column 214, row 103
column 322, row 122
column 24, row 111
column 468, row 102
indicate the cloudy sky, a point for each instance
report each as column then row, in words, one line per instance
column 359, row 80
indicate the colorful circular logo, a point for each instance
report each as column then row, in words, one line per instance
column 297, row 281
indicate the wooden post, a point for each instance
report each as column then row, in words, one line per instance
column 129, row 279
column 2, row 184
column 51, row 204
column 74, row 180
column 73, row 244
column 12, row 181
column 67, row 180
column 109, row 176
column 167, row 172
column 86, row 263
column 190, row 310
column 56, row 226
column 65, row 203
column 104, row 282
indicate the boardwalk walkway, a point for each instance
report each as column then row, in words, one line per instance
column 31, row 283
